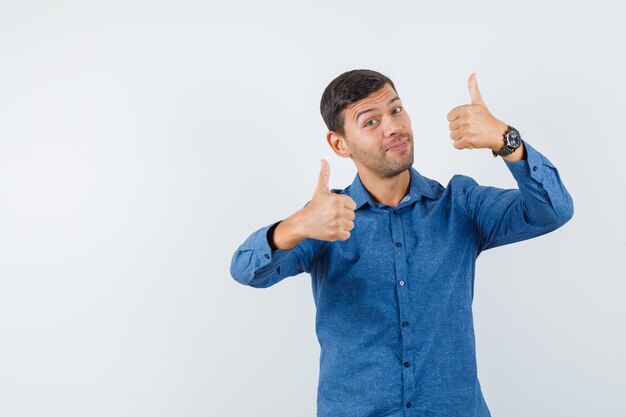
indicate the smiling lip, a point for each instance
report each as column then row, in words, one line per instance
column 399, row 146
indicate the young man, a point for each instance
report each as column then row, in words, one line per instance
column 392, row 256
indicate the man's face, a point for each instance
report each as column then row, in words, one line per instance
column 372, row 126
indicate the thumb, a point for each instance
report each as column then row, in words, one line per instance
column 322, row 182
column 474, row 91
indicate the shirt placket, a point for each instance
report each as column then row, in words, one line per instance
column 404, row 309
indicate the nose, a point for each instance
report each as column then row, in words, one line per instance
column 391, row 126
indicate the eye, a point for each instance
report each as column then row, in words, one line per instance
column 368, row 122
column 397, row 108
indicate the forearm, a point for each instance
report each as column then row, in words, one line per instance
column 257, row 264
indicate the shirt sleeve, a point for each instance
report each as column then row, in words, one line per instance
column 503, row 216
column 256, row 264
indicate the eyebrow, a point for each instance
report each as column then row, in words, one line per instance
column 362, row 112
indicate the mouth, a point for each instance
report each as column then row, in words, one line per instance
column 399, row 146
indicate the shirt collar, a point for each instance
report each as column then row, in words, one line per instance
column 419, row 186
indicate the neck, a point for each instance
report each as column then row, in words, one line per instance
column 388, row 191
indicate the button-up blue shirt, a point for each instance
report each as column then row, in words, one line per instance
column 394, row 301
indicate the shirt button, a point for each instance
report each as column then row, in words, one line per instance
column 398, row 244
column 408, row 405
column 535, row 168
column 405, row 323
column 267, row 256
column 407, row 364
column 395, row 212
column 401, row 283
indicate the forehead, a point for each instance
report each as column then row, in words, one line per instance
column 377, row 100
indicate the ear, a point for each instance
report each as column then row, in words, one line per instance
column 338, row 144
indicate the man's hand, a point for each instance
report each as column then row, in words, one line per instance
column 328, row 216
column 473, row 126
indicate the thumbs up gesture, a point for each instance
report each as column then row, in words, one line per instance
column 472, row 125
column 328, row 216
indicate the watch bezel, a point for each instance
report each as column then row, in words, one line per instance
column 510, row 142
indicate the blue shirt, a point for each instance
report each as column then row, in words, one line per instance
column 394, row 301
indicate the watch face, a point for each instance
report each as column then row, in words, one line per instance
column 513, row 139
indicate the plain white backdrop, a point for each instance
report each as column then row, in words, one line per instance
column 142, row 142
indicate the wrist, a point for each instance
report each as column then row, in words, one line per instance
column 499, row 142
column 518, row 155
column 288, row 233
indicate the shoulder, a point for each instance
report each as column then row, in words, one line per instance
column 457, row 190
column 460, row 182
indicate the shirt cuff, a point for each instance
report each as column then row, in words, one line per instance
column 532, row 166
column 263, row 250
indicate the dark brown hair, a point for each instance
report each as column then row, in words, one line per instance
column 349, row 87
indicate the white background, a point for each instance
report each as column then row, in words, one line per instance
column 142, row 142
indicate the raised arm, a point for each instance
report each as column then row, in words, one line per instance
column 288, row 247
column 540, row 205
